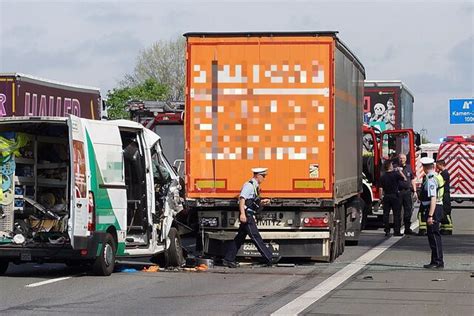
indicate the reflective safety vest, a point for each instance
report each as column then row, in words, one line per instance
column 439, row 191
column 425, row 198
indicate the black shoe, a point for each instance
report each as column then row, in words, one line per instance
column 274, row 261
column 433, row 266
column 409, row 232
column 398, row 234
column 230, row 264
column 387, row 234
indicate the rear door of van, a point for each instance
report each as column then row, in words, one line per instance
column 80, row 185
column 99, row 198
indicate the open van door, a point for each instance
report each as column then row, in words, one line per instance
column 78, row 220
column 396, row 142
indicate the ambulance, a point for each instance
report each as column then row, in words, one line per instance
column 429, row 150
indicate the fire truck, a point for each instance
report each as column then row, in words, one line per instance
column 166, row 118
column 458, row 153
column 377, row 147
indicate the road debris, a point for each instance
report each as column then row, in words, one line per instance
column 151, row 269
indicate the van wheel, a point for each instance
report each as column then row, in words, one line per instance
column 174, row 254
column 104, row 264
column 3, row 267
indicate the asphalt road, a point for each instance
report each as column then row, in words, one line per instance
column 392, row 284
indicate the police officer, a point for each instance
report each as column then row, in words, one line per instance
column 407, row 190
column 421, row 213
column 249, row 203
column 389, row 182
column 431, row 198
column 446, row 227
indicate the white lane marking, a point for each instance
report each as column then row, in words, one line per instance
column 48, row 282
column 316, row 293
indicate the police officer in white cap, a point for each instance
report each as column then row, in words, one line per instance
column 249, row 203
column 431, row 201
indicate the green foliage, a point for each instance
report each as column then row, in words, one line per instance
column 165, row 62
column 117, row 99
column 425, row 140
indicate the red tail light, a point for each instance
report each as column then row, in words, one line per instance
column 91, row 212
column 316, row 221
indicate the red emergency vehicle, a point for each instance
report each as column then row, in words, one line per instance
column 458, row 153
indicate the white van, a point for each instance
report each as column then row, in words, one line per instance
column 82, row 191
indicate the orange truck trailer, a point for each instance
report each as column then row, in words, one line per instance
column 288, row 101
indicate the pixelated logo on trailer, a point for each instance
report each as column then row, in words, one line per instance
column 237, row 111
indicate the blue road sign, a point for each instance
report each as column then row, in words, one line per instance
column 461, row 111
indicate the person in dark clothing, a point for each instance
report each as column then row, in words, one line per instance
column 446, row 227
column 407, row 190
column 389, row 182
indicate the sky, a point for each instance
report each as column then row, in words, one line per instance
column 429, row 45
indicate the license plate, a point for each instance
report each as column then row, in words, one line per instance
column 268, row 220
column 249, row 249
column 25, row 256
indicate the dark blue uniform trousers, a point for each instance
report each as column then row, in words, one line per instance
column 248, row 228
column 434, row 236
column 392, row 202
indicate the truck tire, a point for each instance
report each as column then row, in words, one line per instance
column 174, row 254
column 3, row 267
column 104, row 264
column 335, row 249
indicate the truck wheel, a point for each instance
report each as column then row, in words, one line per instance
column 104, row 264
column 335, row 244
column 174, row 254
column 3, row 267
column 333, row 250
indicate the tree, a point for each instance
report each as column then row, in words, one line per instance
column 164, row 62
column 425, row 140
column 117, row 99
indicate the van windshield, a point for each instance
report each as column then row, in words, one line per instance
column 160, row 169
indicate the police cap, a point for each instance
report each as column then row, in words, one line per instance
column 427, row 161
column 261, row 171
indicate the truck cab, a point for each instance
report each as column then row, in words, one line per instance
column 83, row 191
column 377, row 147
